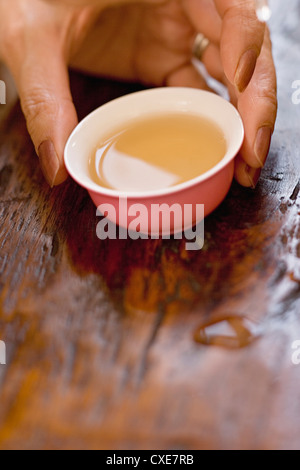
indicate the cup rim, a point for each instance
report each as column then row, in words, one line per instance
column 98, row 189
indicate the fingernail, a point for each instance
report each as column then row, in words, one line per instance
column 245, row 69
column 253, row 175
column 262, row 144
column 49, row 161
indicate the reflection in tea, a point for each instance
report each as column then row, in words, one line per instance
column 157, row 152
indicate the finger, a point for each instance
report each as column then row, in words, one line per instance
column 258, row 108
column 241, row 41
column 213, row 64
column 245, row 175
column 204, row 18
column 187, row 76
column 43, row 83
column 212, row 61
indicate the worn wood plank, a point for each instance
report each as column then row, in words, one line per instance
column 100, row 335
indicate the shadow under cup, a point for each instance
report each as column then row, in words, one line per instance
column 172, row 210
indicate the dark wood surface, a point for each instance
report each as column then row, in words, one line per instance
column 101, row 336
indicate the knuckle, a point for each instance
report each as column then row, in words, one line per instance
column 243, row 15
column 269, row 103
column 269, row 95
column 40, row 107
column 242, row 9
column 36, row 104
column 272, row 99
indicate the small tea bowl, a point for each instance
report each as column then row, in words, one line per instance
column 169, row 204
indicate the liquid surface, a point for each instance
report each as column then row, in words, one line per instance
column 157, row 152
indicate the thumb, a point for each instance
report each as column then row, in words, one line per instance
column 43, row 84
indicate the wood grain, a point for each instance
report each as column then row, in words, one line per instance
column 99, row 335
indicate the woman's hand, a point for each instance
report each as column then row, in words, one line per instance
column 147, row 40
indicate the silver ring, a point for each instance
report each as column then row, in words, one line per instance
column 200, row 45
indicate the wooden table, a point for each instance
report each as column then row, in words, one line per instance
column 100, row 336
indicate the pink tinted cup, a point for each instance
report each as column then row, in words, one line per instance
column 208, row 189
